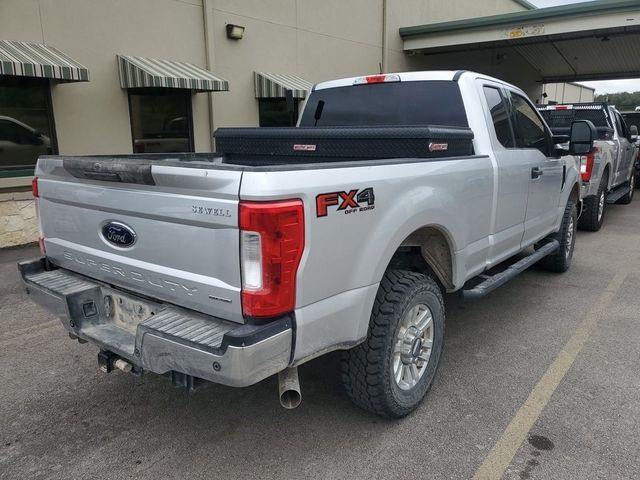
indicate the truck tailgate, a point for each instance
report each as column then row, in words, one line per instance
column 159, row 229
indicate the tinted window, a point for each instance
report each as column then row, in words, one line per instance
column 26, row 124
column 632, row 118
column 161, row 121
column 562, row 119
column 433, row 102
column 499, row 114
column 528, row 127
column 274, row 113
column 621, row 126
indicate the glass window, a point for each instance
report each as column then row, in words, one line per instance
column 498, row 108
column 161, row 121
column 621, row 125
column 273, row 112
column 431, row 102
column 26, row 123
column 528, row 126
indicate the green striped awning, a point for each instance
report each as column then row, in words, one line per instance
column 142, row 72
column 24, row 59
column 275, row 85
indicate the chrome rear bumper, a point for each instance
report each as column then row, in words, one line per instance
column 163, row 338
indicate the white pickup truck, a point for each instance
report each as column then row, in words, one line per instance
column 608, row 172
column 340, row 234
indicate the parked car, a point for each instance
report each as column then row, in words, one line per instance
column 20, row 144
column 608, row 172
column 341, row 234
column 632, row 119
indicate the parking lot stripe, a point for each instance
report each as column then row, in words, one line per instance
column 502, row 453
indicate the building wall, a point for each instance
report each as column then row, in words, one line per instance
column 567, row 93
column 406, row 13
column 316, row 40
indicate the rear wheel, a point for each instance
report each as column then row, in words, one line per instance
column 631, row 186
column 593, row 211
column 390, row 373
column 560, row 260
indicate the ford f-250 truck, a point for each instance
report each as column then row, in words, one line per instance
column 607, row 172
column 340, row 234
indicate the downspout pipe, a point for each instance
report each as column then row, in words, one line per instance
column 209, row 52
column 383, row 65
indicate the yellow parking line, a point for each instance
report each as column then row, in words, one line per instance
column 506, row 447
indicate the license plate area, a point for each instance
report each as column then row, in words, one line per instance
column 127, row 311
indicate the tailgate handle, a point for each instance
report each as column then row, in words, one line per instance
column 110, row 169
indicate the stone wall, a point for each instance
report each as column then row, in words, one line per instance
column 18, row 223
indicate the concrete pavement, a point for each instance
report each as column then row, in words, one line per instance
column 61, row 418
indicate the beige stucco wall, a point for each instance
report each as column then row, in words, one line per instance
column 312, row 39
column 567, row 93
column 93, row 117
column 316, row 40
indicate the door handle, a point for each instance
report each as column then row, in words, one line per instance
column 536, row 172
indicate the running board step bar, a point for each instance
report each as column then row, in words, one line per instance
column 617, row 193
column 494, row 281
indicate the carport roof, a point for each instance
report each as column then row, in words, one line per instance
column 585, row 41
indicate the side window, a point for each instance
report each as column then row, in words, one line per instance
column 500, row 116
column 621, row 126
column 529, row 128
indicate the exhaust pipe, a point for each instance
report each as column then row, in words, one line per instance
column 289, row 387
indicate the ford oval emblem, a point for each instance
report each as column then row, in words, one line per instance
column 119, row 234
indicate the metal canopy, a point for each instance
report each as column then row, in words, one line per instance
column 24, row 59
column 596, row 40
column 142, row 72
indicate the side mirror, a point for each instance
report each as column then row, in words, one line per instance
column 583, row 134
column 634, row 133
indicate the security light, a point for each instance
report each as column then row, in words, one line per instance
column 234, row 32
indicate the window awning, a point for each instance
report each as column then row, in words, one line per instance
column 24, row 59
column 275, row 85
column 142, row 72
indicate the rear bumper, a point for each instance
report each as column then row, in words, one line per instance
column 164, row 338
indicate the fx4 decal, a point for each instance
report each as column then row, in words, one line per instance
column 349, row 202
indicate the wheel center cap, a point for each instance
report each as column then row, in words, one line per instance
column 416, row 347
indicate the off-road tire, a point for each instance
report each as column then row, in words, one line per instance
column 631, row 185
column 590, row 220
column 367, row 368
column 560, row 260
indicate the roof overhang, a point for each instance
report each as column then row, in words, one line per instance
column 594, row 40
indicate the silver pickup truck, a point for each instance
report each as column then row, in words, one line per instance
column 287, row 243
column 608, row 173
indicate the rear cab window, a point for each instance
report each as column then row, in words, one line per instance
column 429, row 102
column 560, row 117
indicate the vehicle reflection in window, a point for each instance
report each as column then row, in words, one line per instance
column 25, row 123
column 161, row 121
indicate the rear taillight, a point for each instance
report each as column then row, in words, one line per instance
column 271, row 244
column 586, row 166
column 382, row 78
column 36, row 198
